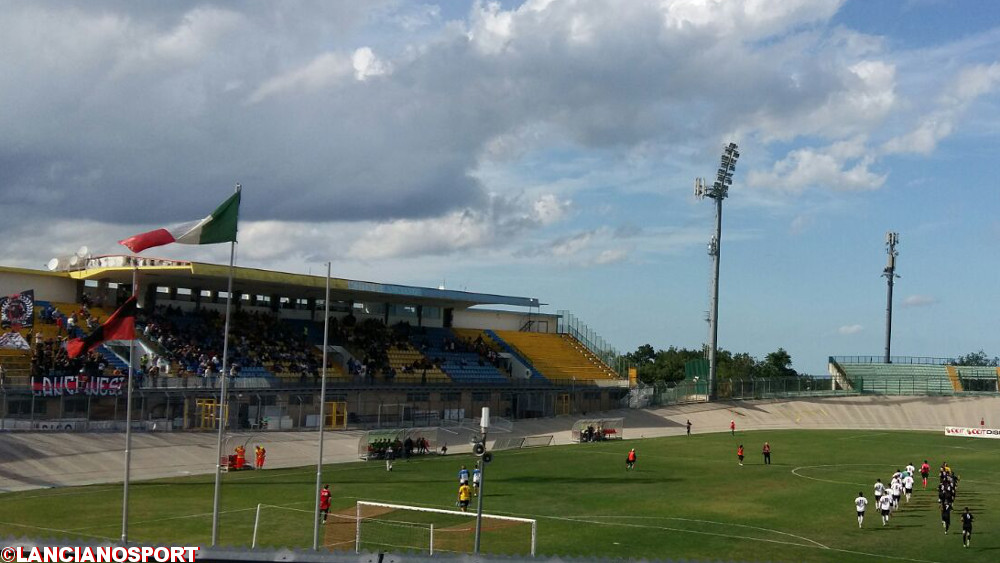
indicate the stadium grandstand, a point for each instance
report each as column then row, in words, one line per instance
column 431, row 356
column 907, row 375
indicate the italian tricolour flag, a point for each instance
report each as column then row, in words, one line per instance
column 220, row 226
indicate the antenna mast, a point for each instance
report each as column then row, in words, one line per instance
column 891, row 240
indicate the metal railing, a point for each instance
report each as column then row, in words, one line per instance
column 908, row 360
column 569, row 324
column 780, row 387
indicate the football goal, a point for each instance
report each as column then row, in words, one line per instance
column 383, row 527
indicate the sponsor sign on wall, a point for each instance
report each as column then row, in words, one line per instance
column 55, row 386
column 972, row 432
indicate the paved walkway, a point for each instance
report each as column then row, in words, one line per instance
column 40, row 460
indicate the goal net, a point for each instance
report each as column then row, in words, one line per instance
column 393, row 527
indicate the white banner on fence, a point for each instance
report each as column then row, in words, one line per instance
column 972, row 432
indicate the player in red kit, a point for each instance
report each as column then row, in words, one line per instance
column 324, row 502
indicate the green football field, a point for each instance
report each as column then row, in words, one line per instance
column 688, row 498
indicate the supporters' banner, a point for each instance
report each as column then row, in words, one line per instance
column 18, row 310
column 100, row 386
column 972, row 432
column 13, row 341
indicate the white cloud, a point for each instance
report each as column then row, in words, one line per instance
column 477, row 132
column 502, row 223
column 918, row 301
column 850, row 329
column 320, row 72
column 611, row 256
column 840, row 166
column 366, row 64
column 939, row 122
column 491, row 27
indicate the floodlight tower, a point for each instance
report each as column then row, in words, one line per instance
column 719, row 191
column 891, row 240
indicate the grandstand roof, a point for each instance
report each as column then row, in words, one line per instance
column 214, row 277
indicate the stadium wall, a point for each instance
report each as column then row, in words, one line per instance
column 48, row 287
column 504, row 320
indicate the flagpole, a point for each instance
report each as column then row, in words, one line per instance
column 222, row 395
column 322, row 406
column 128, row 414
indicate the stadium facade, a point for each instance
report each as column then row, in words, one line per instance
column 448, row 353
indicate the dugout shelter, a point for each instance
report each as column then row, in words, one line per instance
column 598, row 429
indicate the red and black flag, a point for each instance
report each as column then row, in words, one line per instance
column 119, row 326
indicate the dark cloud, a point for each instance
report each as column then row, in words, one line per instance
column 152, row 111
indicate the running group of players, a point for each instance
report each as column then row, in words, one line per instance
column 887, row 497
column 465, row 492
column 947, row 489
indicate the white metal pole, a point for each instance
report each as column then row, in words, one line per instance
column 484, row 424
column 322, row 406
column 128, row 414
column 534, row 536
column 256, row 523
column 432, row 539
column 222, row 398
column 357, row 530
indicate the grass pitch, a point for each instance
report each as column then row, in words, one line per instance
column 687, row 498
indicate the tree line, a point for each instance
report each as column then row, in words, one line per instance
column 669, row 365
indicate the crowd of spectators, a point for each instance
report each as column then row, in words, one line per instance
column 194, row 342
column 486, row 354
column 190, row 344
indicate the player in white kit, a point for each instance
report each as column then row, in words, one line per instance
column 860, row 503
column 908, row 486
column 886, row 505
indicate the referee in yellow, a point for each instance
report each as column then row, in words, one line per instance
column 464, row 496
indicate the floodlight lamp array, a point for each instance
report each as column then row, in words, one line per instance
column 724, row 176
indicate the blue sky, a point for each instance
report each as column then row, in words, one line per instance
column 544, row 148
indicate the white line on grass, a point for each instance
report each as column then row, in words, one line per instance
column 797, row 474
column 713, row 522
column 853, row 436
column 56, row 530
column 198, row 515
column 716, row 534
column 813, row 545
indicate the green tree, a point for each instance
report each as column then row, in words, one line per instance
column 741, row 366
column 668, row 365
column 643, row 355
column 777, row 364
column 977, row 359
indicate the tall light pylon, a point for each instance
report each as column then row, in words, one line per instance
column 719, row 191
column 891, row 240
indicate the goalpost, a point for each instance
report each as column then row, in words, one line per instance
column 380, row 525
